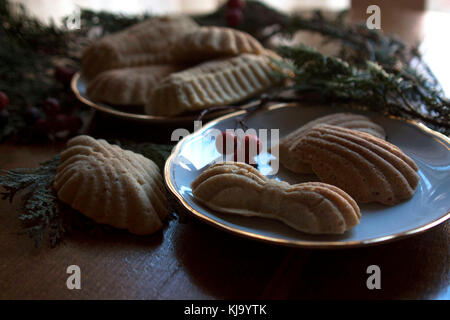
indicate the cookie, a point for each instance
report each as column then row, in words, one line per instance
column 346, row 120
column 312, row 207
column 206, row 43
column 111, row 185
column 128, row 86
column 146, row 43
column 213, row 83
column 366, row 167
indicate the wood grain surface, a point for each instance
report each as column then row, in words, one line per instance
column 192, row 260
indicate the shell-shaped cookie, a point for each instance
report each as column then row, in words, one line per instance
column 111, row 185
column 128, row 86
column 207, row 43
column 213, row 83
column 344, row 119
column 146, row 43
column 312, row 207
column 366, row 167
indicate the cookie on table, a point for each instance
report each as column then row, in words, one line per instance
column 313, row 207
column 213, row 83
column 368, row 168
column 128, row 86
column 205, row 43
column 344, row 119
column 111, row 185
column 146, row 43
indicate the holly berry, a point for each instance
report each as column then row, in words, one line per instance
column 52, row 107
column 233, row 17
column 235, row 4
column 64, row 74
column 227, row 142
column 251, row 147
column 4, row 100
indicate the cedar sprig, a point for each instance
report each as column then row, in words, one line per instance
column 40, row 215
column 371, row 86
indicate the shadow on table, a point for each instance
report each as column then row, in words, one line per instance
column 231, row 267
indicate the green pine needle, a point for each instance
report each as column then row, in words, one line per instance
column 369, row 85
column 40, row 207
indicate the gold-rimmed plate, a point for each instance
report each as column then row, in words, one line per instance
column 429, row 206
column 133, row 113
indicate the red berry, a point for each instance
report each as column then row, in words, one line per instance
column 226, row 142
column 51, row 107
column 233, row 17
column 4, row 100
column 64, row 74
column 235, row 3
column 252, row 143
column 74, row 123
column 252, row 146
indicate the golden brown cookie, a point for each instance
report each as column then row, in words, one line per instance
column 146, row 43
column 111, row 185
column 368, row 168
column 345, row 119
column 206, row 43
column 311, row 207
column 128, row 86
column 213, row 83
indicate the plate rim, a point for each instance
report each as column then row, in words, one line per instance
column 140, row 117
column 294, row 243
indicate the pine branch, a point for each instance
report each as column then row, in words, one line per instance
column 40, row 205
column 371, row 86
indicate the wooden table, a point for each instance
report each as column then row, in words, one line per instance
column 192, row 260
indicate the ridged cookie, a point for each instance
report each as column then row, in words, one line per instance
column 311, row 207
column 146, row 43
column 213, row 83
column 111, row 185
column 128, row 86
column 207, row 43
column 366, row 167
column 345, row 119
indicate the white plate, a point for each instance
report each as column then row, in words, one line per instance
column 134, row 113
column 429, row 206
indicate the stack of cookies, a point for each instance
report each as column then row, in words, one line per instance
column 171, row 66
